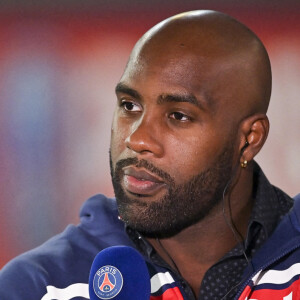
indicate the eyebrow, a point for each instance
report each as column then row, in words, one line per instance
column 180, row 98
column 123, row 88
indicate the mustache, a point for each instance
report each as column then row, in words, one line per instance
column 142, row 163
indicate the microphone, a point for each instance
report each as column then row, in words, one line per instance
column 119, row 273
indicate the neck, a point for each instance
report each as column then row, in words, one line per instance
column 195, row 249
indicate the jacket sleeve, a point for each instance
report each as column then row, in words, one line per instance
column 64, row 261
column 297, row 197
column 22, row 279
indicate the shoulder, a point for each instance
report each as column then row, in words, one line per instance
column 297, row 198
column 66, row 258
column 278, row 262
column 284, row 243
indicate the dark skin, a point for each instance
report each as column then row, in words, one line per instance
column 192, row 84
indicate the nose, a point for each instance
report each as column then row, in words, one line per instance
column 146, row 137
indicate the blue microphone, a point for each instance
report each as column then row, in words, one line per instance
column 119, row 273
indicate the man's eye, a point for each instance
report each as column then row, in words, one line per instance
column 179, row 116
column 130, row 106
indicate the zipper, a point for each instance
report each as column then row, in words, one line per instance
column 264, row 267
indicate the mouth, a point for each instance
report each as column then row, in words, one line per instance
column 141, row 182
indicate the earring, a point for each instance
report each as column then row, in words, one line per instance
column 244, row 164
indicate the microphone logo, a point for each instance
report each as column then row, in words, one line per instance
column 108, row 282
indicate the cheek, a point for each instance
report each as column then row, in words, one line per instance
column 118, row 136
column 188, row 157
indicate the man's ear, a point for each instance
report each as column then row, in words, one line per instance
column 254, row 131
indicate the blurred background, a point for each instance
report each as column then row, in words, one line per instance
column 59, row 63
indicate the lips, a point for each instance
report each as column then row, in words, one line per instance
column 141, row 182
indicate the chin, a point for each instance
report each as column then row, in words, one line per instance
column 151, row 221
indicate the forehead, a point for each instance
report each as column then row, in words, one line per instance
column 163, row 79
column 177, row 72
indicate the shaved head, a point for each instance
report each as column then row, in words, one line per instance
column 229, row 60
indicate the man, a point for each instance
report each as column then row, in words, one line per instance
column 190, row 118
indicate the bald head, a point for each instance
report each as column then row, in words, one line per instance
column 227, row 60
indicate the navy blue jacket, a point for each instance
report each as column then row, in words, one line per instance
column 59, row 269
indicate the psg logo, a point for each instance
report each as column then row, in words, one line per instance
column 108, row 282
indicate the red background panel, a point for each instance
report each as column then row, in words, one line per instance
column 58, row 68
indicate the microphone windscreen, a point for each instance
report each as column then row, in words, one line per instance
column 119, row 272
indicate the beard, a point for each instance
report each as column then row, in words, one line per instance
column 182, row 205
